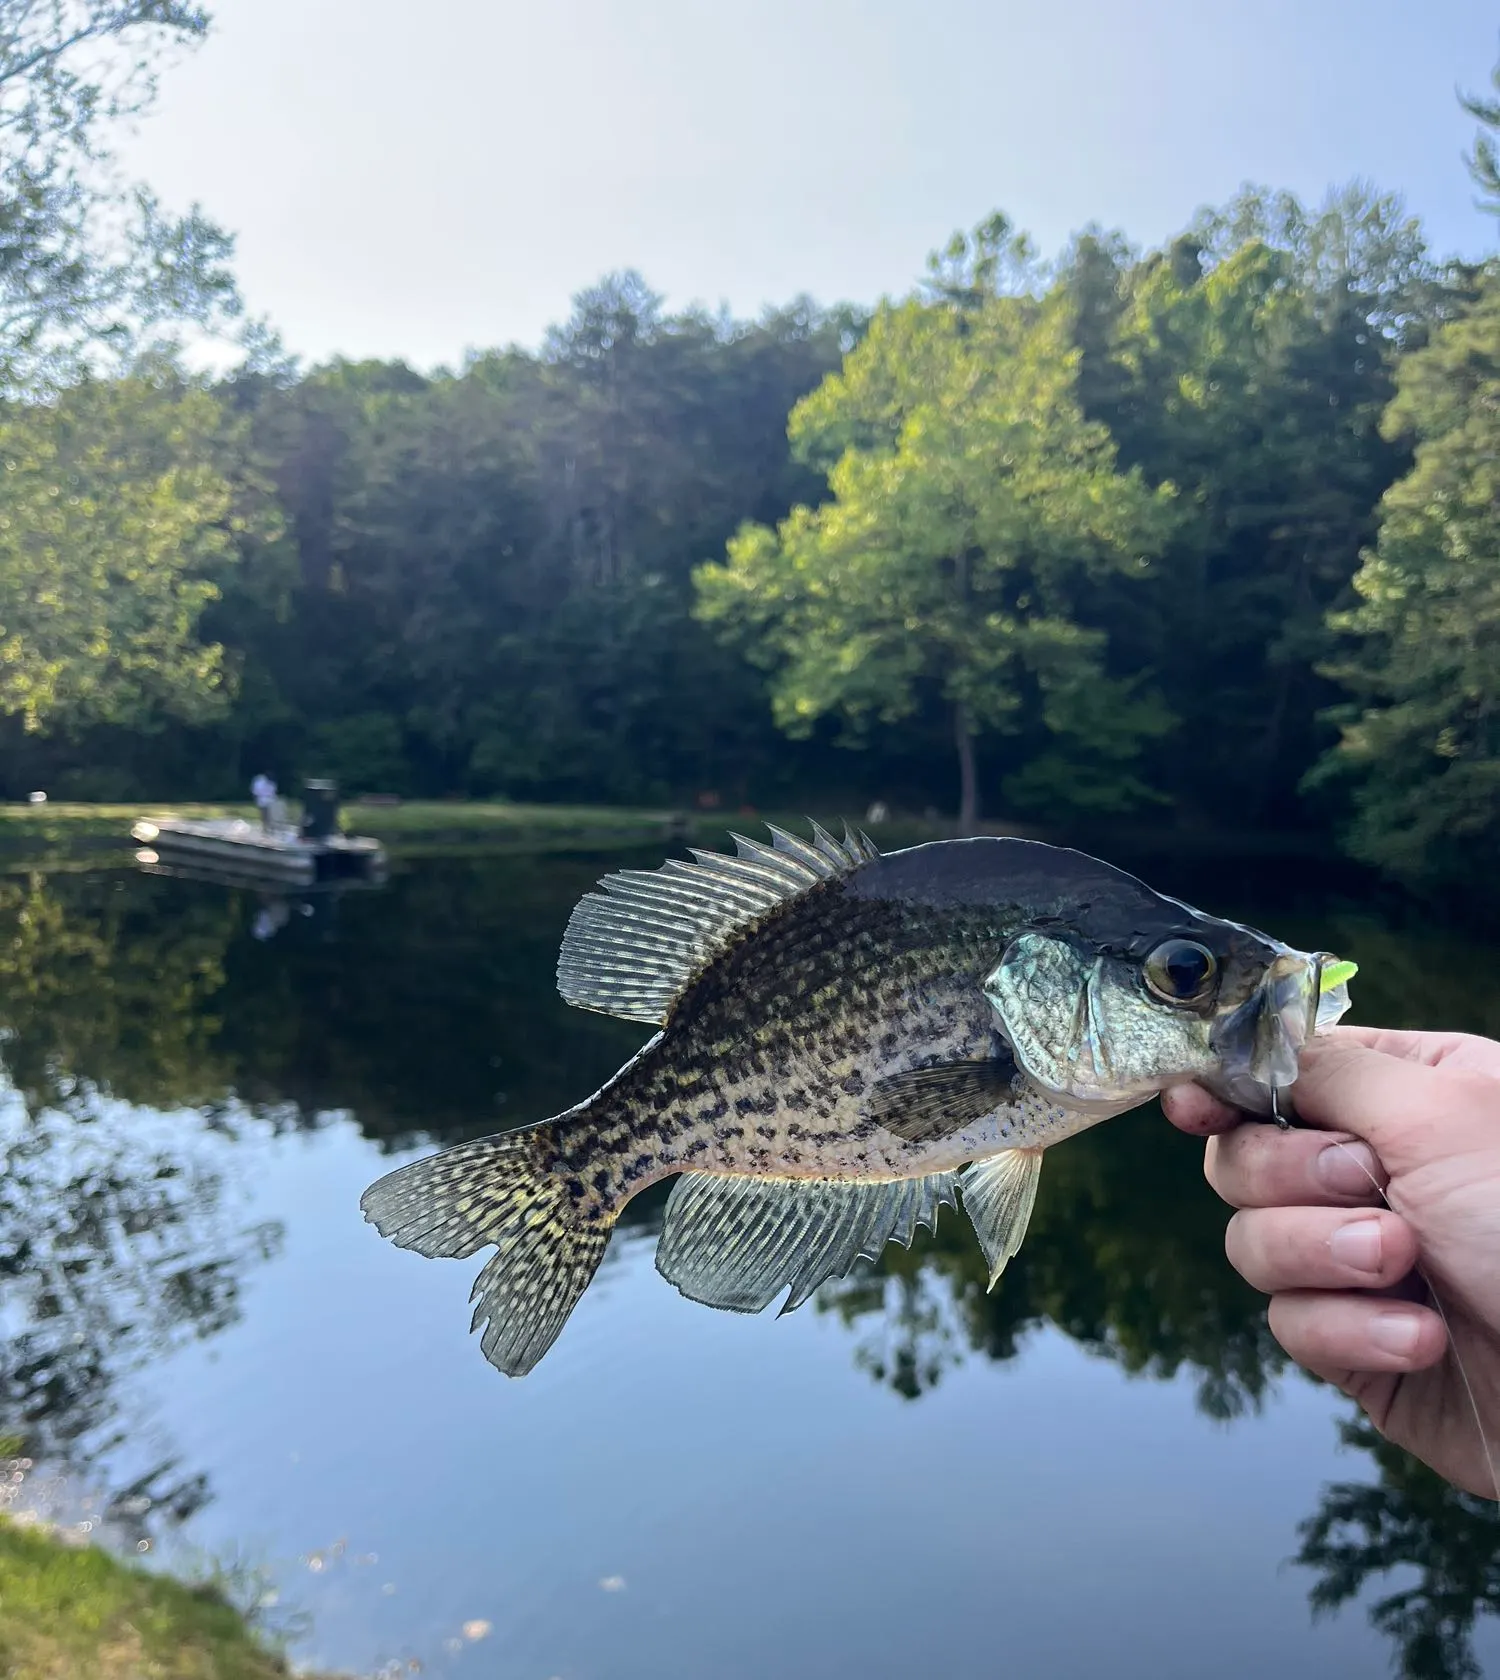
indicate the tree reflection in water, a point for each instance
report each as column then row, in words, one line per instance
column 1125, row 1254
column 1409, row 1520
column 147, row 1041
column 118, row 1243
column 118, row 1236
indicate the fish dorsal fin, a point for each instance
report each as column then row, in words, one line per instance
column 738, row 1242
column 999, row 1194
column 634, row 948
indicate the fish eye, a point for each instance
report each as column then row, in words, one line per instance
column 1181, row 971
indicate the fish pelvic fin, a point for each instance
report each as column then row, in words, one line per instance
column 504, row 1191
column 737, row 1242
column 998, row 1196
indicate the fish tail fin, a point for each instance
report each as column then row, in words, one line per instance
column 510, row 1191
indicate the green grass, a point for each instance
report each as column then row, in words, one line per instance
column 75, row 1613
column 46, row 835
column 61, row 835
column 427, row 819
column 483, row 823
column 416, row 816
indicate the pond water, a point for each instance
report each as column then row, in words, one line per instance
column 1103, row 1467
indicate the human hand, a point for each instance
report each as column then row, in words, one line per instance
column 1417, row 1114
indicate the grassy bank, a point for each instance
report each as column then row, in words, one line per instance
column 75, row 1613
column 43, row 835
column 427, row 819
column 52, row 835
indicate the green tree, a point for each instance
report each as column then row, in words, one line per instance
column 117, row 511
column 493, row 584
column 1421, row 739
column 972, row 507
column 1249, row 364
column 90, row 264
column 1484, row 158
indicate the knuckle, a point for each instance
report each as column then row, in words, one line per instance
column 1285, row 1323
column 1299, row 1329
column 1249, row 1166
column 1225, row 1162
column 1245, row 1248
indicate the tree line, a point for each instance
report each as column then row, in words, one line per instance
column 1201, row 535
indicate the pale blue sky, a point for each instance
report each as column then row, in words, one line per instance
column 412, row 181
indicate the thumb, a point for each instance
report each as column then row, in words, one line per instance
column 1408, row 1112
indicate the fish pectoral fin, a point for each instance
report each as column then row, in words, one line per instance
column 998, row 1196
column 736, row 1242
column 929, row 1103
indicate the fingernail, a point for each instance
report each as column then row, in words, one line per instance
column 1396, row 1332
column 1357, row 1245
column 1347, row 1169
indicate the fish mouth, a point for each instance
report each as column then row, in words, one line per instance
column 1258, row 1044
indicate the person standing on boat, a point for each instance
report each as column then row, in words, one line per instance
column 263, row 792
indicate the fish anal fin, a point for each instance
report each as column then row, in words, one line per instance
column 736, row 1242
column 998, row 1196
column 634, row 948
column 933, row 1102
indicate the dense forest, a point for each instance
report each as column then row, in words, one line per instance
column 1202, row 536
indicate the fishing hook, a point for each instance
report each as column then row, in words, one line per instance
column 1281, row 1119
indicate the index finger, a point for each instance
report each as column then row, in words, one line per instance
column 1429, row 1048
column 1409, row 1111
column 1193, row 1109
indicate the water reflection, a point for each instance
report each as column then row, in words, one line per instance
column 1124, row 1253
column 1409, row 1521
column 272, row 907
column 154, row 1046
column 112, row 989
column 118, row 1242
column 431, row 1013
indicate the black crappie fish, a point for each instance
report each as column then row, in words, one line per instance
column 848, row 1042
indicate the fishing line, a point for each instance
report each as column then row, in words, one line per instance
column 1491, row 1463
